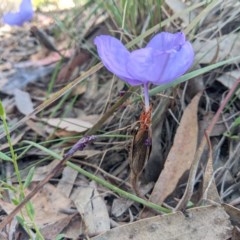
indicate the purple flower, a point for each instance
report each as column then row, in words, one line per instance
column 166, row 57
column 80, row 145
column 24, row 14
column 148, row 141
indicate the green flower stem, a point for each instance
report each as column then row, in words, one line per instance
column 119, row 191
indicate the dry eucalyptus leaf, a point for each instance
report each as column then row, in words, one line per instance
column 234, row 214
column 87, row 153
column 206, row 223
column 47, row 204
column 68, row 124
column 41, row 172
column 228, row 79
column 74, row 229
column 119, row 206
column 181, row 154
column 217, row 49
column 92, row 209
column 23, row 102
column 36, row 128
column 51, row 231
column 65, row 184
column 210, row 191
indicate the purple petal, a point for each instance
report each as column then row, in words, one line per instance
column 166, row 41
column 24, row 14
column 177, row 63
column 114, row 56
column 158, row 67
column 146, row 64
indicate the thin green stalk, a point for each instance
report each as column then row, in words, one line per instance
column 14, row 158
column 54, row 77
column 119, row 191
column 35, row 227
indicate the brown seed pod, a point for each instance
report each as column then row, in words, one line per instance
column 140, row 148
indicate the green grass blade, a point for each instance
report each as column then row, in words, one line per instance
column 5, row 157
column 46, row 150
column 29, row 178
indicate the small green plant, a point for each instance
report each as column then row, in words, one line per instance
column 18, row 192
column 230, row 133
